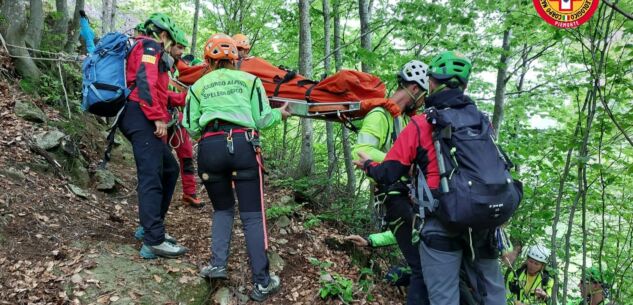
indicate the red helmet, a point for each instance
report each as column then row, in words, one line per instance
column 242, row 41
column 220, row 46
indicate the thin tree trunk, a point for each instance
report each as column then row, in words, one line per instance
column 14, row 32
column 329, row 126
column 194, row 34
column 112, row 19
column 500, row 91
column 306, row 160
column 364, row 12
column 73, row 35
column 61, row 23
column 582, row 187
column 105, row 16
column 36, row 24
column 338, row 63
column 557, row 213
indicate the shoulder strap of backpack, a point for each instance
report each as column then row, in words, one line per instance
column 389, row 134
column 259, row 95
column 422, row 185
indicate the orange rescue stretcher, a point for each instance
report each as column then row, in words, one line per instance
column 344, row 96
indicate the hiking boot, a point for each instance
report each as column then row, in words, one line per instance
column 260, row 293
column 192, row 201
column 139, row 234
column 166, row 249
column 214, row 273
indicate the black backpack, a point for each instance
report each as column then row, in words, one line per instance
column 476, row 188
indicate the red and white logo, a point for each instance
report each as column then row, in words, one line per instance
column 566, row 13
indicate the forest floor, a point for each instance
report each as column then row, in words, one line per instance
column 59, row 248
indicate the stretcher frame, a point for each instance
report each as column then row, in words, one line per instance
column 316, row 110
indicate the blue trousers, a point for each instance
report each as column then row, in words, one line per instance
column 156, row 169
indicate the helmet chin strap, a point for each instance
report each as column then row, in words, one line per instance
column 414, row 105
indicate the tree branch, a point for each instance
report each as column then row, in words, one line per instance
column 618, row 9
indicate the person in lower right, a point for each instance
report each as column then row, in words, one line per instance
column 444, row 251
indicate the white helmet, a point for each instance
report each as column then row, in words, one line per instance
column 539, row 253
column 415, row 71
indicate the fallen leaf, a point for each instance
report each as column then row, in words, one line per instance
column 157, row 278
column 104, row 299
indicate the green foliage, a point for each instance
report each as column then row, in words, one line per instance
column 281, row 210
column 340, row 287
column 311, row 222
column 334, row 285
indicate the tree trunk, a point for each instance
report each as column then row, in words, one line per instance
column 105, row 16
column 329, row 126
column 306, row 160
column 194, row 35
column 73, row 31
column 338, row 63
column 500, row 91
column 365, row 39
column 112, row 19
column 61, row 24
column 36, row 24
column 14, row 32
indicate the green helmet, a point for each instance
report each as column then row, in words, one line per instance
column 140, row 27
column 162, row 22
column 180, row 37
column 448, row 65
column 594, row 275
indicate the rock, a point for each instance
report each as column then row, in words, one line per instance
column 284, row 200
column 277, row 263
column 76, row 279
column 118, row 138
column 13, row 174
column 69, row 147
column 326, row 278
column 78, row 172
column 242, row 298
column 105, row 180
column 78, row 191
column 283, row 221
column 49, row 139
column 117, row 268
column 30, row 112
column 222, row 296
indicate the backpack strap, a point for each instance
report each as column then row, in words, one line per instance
column 107, row 155
column 188, row 108
column 390, row 134
column 259, row 95
column 422, row 186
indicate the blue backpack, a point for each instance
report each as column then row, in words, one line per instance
column 476, row 188
column 104, row 87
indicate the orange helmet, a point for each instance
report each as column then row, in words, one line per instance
column 220, row 46
column 242, row 41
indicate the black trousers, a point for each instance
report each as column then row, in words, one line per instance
column 156, row 169
column 399, row 216
column 219, row 168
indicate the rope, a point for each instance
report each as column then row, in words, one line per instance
column 60, row 58
column 61, row 78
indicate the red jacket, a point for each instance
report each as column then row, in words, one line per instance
column 148, row 74
column 414, row 145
